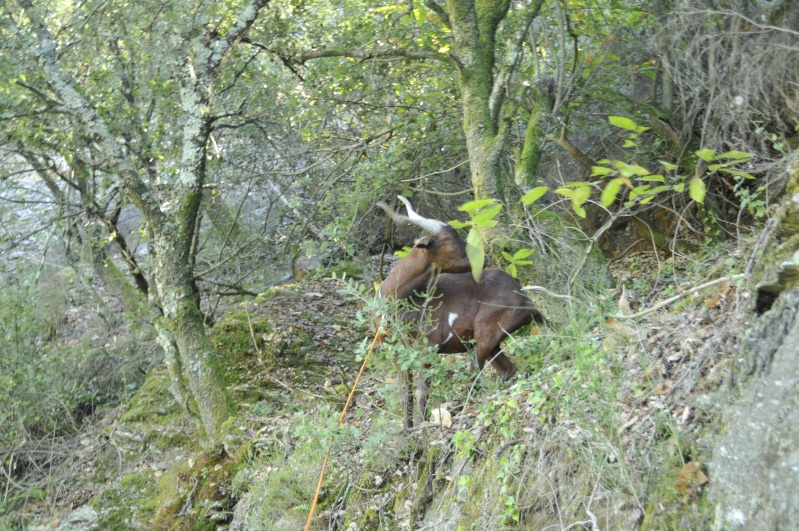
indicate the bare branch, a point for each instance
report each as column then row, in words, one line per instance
column 370, row 54
column 513, row 56
column 581, row 158
column 759, row 25
column 691, row 291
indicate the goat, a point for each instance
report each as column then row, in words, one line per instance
column 462, row 309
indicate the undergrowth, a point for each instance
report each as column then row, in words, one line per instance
column 53, row 377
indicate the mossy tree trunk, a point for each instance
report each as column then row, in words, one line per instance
column 171, row 212
column 483, row 83
column 474, row 26
column 482, row 80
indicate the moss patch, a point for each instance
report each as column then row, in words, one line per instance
column 152, row 400
column 252, row 331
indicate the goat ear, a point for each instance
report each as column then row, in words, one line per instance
column 423, row 242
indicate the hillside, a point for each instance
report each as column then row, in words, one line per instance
column 199, row 199
column 610, row 421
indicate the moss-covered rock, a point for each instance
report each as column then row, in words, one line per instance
column 153, row 399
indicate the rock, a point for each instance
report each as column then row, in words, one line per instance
column 754, row 469
column 240, row 513
column 84, row 517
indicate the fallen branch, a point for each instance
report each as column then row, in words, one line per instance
column 550, row 293
column 186, row 509
column 680, row 296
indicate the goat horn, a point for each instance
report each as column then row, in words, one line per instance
column 433, row 226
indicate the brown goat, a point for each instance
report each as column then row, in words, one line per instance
column 461, row 310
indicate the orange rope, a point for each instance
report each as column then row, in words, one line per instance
column 340, row 420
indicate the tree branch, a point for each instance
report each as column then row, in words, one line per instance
column 46, row 55
column 438, row 10
column 371, row 54
column 245, row 20
column 680, row 296
column 512, row 59
column 279, row 53
column 581, row 158
column 46, row 97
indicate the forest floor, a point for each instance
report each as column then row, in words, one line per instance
column 291, row 357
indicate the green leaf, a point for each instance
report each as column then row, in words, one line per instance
column 624, row 123
column 475, row 252
column 523, row 253
column 653, row 178
column 679, row 187
column 402, row 253
column 668, row 165
column 629, row 144
column 738, row 173
column 657, row 190
column 477, row 204
column 534, row 195
column 706, row 154
column 740, row 156
column 597, row 171
column 610, row 192
column 485, row 218
column 578, row 195
column 582, row 194
column 567, row 192
column 630, row 169
column 696, row 189
column 459, row 224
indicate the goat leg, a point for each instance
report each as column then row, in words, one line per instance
column 501, row 363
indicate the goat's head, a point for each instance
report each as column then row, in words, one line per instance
column 444, row 248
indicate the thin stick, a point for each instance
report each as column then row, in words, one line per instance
column 340, row 420
column 680, row 296
column 550, row 293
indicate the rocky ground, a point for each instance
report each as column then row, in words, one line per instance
column 292, row 352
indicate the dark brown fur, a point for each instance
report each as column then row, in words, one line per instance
column 461, row 310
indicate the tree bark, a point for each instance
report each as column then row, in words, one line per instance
column 474, row 25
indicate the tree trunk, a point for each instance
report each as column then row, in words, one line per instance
column 199, row 360
column 474, row 24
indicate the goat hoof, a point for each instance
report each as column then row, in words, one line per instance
column 508, row 375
